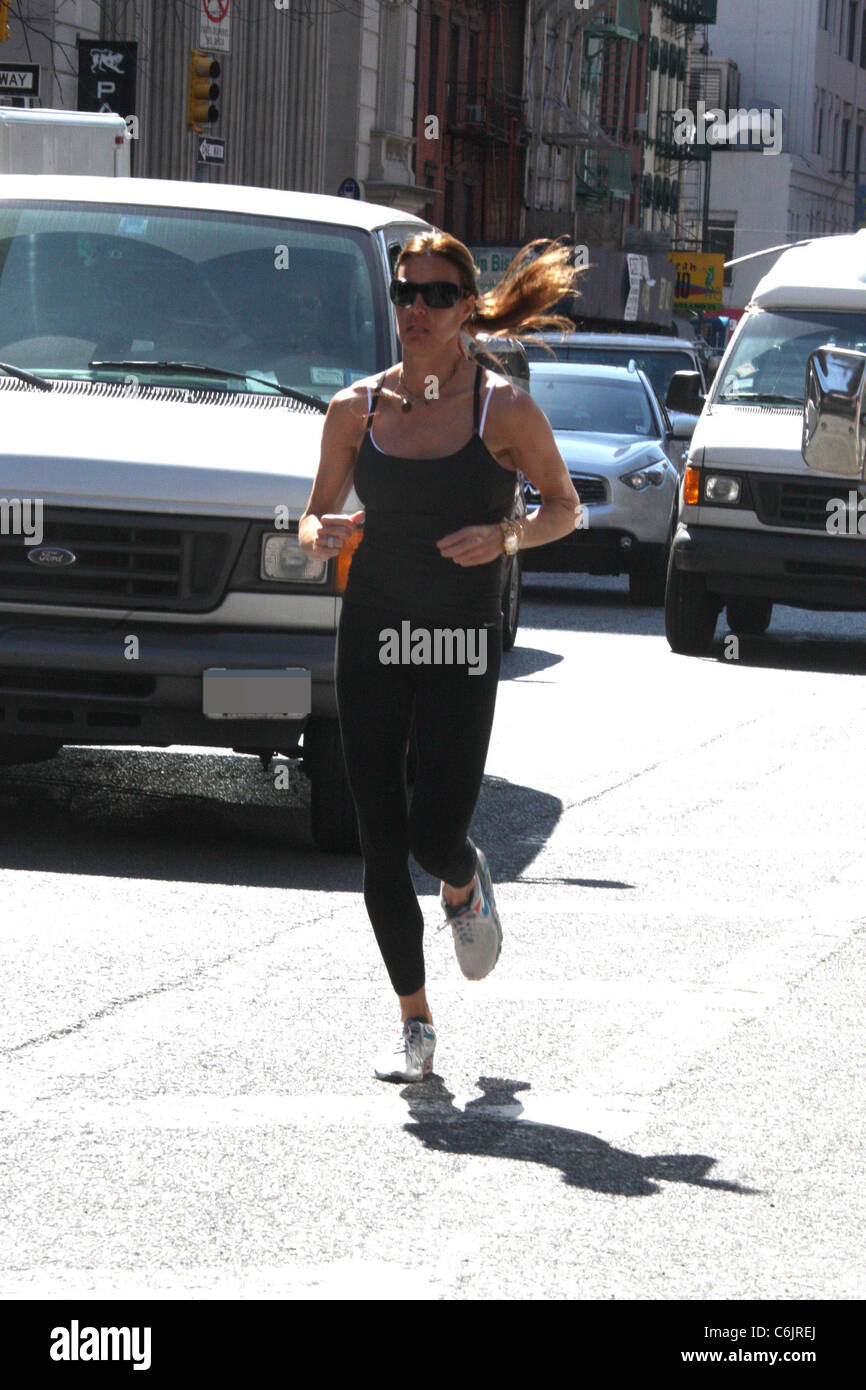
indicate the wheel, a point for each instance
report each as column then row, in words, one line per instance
column 749, row 616
column 511, row 604
column 333, row 820
column 646, row 581
column 690, row 612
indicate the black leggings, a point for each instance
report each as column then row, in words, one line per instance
column 453, row 711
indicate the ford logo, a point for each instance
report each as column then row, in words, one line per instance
column 51, row 557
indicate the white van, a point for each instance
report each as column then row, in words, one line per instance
column 773, row 495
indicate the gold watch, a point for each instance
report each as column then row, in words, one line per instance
column 511, row 537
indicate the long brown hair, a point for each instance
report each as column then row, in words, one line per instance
column 535, row 280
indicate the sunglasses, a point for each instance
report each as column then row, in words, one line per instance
column 437, row 294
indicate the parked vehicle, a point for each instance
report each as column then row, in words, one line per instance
column 168, row 353
column 43, row 141
column 616, row 441
column 773, row 491
column 657, row 355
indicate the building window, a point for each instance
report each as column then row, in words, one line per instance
column 820, row 129
column 843, row 152
column 721, row 239
column 852, row 28
column 825, row 14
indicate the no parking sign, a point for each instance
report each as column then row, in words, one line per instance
column 214, row 22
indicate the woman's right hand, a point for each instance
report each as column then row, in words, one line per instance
column 325, row 536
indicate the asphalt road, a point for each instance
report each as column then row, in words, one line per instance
column 658, row 1094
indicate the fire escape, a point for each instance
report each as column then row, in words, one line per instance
column 674, row 157
column 487, row 115
column 602, row 165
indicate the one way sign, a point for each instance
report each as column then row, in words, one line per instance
column 211, row 150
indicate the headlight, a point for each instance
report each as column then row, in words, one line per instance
column 722, row 489
column 642, row 478
column 284, row 561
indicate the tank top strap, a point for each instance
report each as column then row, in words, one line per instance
column 374, row 402
column 476, row 401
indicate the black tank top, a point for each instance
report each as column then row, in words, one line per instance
column 410, row 503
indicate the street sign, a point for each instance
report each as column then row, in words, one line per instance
column 213, row 26
column 19, row 79
column 106, row 76
column 211, row 150
column 700, row 279
column 349, row 188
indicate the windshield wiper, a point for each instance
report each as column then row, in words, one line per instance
column 766, row 398
column 184, row 368
column 26, row 376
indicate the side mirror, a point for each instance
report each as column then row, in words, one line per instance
column 684, row 393
column 682, row 426
column 834, row 427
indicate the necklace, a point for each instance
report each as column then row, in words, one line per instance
column 405, row 393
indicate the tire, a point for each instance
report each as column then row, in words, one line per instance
column 749, row 617
column 646, row 582
column 511, row 604
column 333, row 821
column 690, row 613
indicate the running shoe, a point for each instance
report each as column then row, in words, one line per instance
column 476, row 927
column 410, row 1056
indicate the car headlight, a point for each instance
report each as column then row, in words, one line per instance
column 284, row 561
column 722, row 489
column 642, row 478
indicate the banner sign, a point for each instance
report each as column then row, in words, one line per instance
column 106, row 76
column 700, row 279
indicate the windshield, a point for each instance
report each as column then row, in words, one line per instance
column 299, row 303
column 592, row 405
column 769, row 357
column 659, row 366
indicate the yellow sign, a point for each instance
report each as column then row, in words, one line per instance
column 700, row 278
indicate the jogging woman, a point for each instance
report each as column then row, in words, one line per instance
column 438, row 486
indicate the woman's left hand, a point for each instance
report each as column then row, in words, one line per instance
column 473, row 545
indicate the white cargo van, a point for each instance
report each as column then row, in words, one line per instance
column 43, row 141
column 167, row 354
column 773, row 497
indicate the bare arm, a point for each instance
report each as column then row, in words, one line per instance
column 341, row 436
column 523, row 429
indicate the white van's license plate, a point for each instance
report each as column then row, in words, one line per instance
column 285, row 694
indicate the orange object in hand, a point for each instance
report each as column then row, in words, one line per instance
column 344, row 559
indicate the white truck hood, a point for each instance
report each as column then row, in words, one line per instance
column 132, row 452
column 760, row 438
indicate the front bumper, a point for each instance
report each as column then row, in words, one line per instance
column 74, row 683
column 804, row 571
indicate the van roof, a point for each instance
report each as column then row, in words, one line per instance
column 218, row 197
column 642, row 341
column 826, row 273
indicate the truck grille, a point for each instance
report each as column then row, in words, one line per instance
column 796, row 501
column 124, row 560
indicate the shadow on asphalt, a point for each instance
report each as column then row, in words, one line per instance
column 588, row 609
column 787, row 653
column 490, row 1127
column 526, row 661
column 206, row 818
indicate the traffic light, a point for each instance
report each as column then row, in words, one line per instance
column 4, row 20
column 202, row 90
